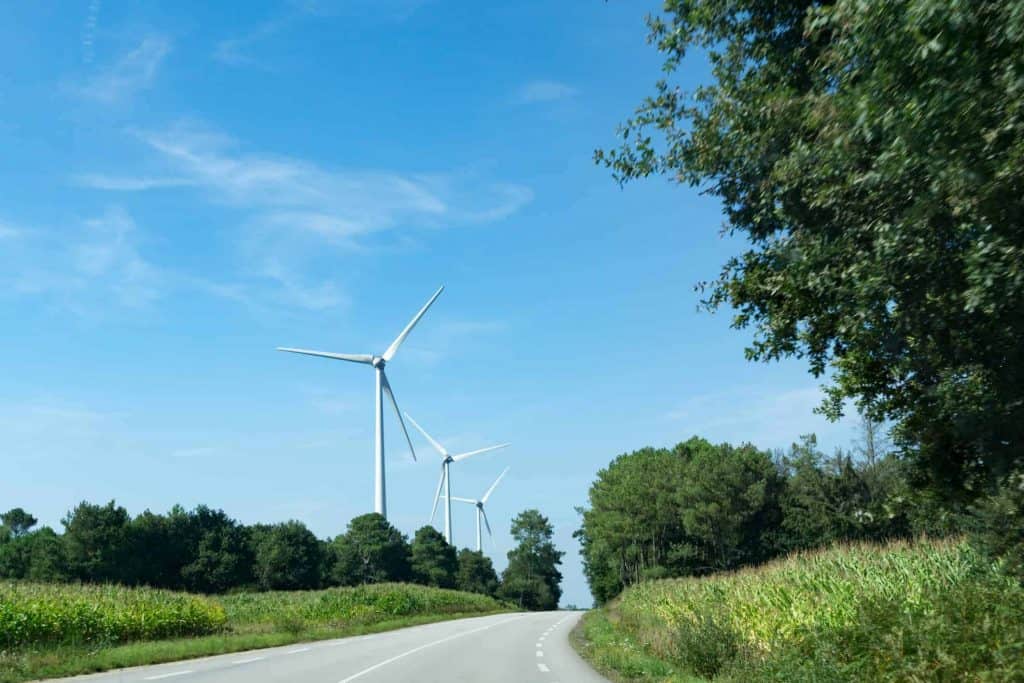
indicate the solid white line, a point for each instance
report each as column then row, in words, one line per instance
column 249, row 659
column 543, row 668
column 301, row 649
column 422, row 647
column 173, row 673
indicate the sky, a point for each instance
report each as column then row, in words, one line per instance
column 187, row 186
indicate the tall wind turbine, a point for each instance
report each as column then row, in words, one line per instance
column 446, row 481
column 481, row 514
column 382, row 387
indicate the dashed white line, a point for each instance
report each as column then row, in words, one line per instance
column 298, row 650
column 422, row 647
column 540, row 653
column 248, row 659
column 543, row 668
column 170, row 675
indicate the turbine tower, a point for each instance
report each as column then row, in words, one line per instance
column 481, row 514
column 446, row 481
column 382, row 387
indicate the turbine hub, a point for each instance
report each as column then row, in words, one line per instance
column 378, row 362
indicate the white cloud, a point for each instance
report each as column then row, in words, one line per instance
column 89, row 31
column 101, row 181
column 768, row 417
column 544, row 91
column 8, row 231
column 86, row 268
column 132, row 73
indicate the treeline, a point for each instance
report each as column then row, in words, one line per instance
column 700, row 508
column 205, row 551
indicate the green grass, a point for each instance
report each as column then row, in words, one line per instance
column 925, row 611
column 246, row 621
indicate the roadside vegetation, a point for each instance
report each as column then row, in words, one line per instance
column 870, row 156
column 115, row 591
column 931, row 610
column 54, row 630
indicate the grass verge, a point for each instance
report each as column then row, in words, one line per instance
column 924, row 611
column 30, row 664
column 49, row 630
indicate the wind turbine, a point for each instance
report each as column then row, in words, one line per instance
column 446, row 460
column 382, row 387
column 480, row 512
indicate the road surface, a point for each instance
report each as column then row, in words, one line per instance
column 505, row 648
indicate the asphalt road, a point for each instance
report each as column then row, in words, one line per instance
column 505, row 648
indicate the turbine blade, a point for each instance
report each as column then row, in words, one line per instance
column 440, row 449
column 389, row 354
column 493, row 486
column 486, row 523
column 350, row 357
column 463, row 456
column 394, row 404
column 464, row 500
column 437, row 494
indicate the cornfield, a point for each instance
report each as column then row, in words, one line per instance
column 81, row 614
column 360, row 604
column 71, row 614
column 905, row 611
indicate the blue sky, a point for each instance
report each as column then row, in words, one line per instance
column 188, row 185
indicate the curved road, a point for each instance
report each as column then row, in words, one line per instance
column 506, row 648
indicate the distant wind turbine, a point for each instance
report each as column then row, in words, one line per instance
column 481, row 514
column 446, row 481
column 382, row 387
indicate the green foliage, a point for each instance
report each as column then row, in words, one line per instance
column 872, row 155
column 37, row 614
column 996, row 524
column 96, row 542
column 926, row 611
column 17, row 522
column 433, row 561
column 532, row 580
column 693, row 509
column 36, row 556
column 476, row 573
column 287, row 557
column 371, row 551
column 358, row 604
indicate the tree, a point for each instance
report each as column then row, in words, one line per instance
column 34, row 556
column 17, row 522
column 95, row 538
column 872, row 155
column 371, row 551
column 476, row 573
column 433, row 561
column 222, row 558
column 287, row 557
column 532, row 579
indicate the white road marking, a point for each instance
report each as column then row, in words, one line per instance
column 540, row 653
column 298, row 650
column 248, row 659
column 422, row 647
column 173, row 673
column 543, row 668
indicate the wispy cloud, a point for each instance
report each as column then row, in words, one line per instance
column 133, row 72
column 197, row 452
column 89, row 31
column 236, row 51
column 86, row 268
column 8, row 231
column 101, row 181
column 768, row 417
column 292, row 208
column 543, row 91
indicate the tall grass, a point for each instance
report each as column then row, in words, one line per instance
column 33, row 614
column 930, row 610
